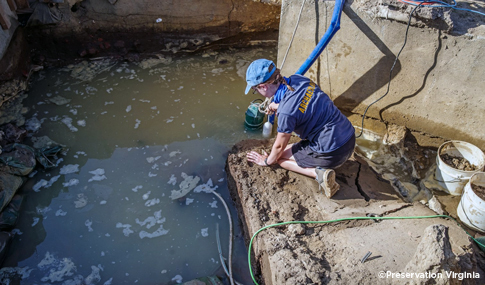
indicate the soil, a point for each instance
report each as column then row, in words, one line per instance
column 479, row 190
column 459, row 163
column 331, row 253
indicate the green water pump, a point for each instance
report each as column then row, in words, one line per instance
column 254, row 118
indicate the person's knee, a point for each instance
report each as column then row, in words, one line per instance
column 287, row 154
column 281, row 160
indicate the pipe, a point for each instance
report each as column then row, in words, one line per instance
column 334, row 27
column 231, row 279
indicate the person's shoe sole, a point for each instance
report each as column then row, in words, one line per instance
column 326, row 180
column 330, row 185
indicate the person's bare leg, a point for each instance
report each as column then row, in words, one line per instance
column 330, row 186
column 287, row 161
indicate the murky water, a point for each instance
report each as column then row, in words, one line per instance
column 409, row 168
column 134, row 134
column 137, row 134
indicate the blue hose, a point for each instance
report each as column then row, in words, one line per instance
column 334, row 27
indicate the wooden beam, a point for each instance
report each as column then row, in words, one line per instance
column 22, row 4
column 4, row 20
column 12, row 5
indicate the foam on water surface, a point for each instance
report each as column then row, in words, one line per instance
column 163, row 131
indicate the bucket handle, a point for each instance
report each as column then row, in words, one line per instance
column 449, row 181
column 261, row 100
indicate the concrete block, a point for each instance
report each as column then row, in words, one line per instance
column 436, row 85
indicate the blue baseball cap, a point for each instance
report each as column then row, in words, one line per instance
column 258, row 72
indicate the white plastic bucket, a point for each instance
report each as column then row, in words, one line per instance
column 471, row 209
column 452, row 179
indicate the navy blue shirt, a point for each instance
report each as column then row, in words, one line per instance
column 311, row 114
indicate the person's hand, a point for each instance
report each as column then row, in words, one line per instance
column 257, row 158
column 272, row 108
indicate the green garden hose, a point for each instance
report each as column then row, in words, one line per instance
column 480, row 243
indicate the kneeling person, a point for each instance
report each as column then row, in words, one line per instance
column 328, row 137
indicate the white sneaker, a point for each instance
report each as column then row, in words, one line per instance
column 326, row 180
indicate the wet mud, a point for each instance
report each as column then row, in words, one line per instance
column 479, row 190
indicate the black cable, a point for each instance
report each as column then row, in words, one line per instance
column 390, row 73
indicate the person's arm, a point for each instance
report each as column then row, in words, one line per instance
column 278, row 147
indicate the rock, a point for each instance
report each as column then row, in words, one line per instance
column 435, row 257
column 17, row 159
column 407, row 190
column 86, row 71
column 59, row 100
column 10, row 133
column 395, row 134
column 43, row 141
column 152, row 62
column 11, row 110
column 73, row 2
column 296, row 229
column 435, row 205
column 197, row 42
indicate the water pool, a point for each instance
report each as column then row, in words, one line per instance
column 135, row 133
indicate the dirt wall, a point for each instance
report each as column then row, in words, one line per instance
column 437, row 81
column 222, row 16
column 57, row 31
